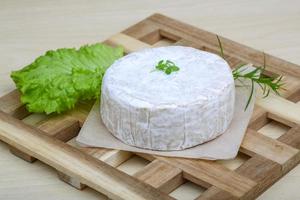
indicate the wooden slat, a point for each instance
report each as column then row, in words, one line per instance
column 207, row 173
column 62, row 127
column 281, row 107
column 295, row 96
column 112, row 157
column 257, row 144
column 64, row 131
column 11, row 104
column 70, row 180
column 281, row 120
column 259, row 118
column 161, row 175
column 292, row 86
column 267, row 174
column 292, row 137
column 22, row 155
column 63, row 157
column 261, row 170
column 214, row 193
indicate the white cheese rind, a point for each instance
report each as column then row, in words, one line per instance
column 152, row 110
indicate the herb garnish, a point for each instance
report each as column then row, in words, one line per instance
column 267, row 84
column 166, row 66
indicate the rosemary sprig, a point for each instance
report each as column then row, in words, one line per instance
column 267, row 84
column 166, row 66
column 221, row 47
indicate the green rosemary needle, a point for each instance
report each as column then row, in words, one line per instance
column 267, row 84
column 221, row 47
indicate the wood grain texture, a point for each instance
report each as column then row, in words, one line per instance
column 239, row 25
column 130, row 44
column 11, row 104
column 62, row 127
column 279, row 106
column 90, row 171
column 161, row 175
column 257, row 144
column 292, row 137
column 268, row 172
column 208, row 173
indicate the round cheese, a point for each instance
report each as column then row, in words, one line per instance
column 150, row 109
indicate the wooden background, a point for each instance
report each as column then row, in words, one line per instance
column 29, row 28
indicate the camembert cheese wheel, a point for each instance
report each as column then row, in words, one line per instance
column 150, row 109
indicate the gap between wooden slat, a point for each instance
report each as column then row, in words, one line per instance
column 274, row 129
column 187, row 191
column 133, row 165
column 233, row 164
column 162, row 43
column 130, row 44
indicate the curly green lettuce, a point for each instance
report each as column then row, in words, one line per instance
column 56, row 81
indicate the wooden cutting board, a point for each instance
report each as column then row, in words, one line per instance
column 268, row 158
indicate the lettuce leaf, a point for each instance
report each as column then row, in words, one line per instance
column 56, row 81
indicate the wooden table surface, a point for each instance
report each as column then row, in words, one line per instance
column 29, row 28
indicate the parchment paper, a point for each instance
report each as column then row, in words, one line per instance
column 226, row 146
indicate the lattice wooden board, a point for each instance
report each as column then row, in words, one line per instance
column 269, row 156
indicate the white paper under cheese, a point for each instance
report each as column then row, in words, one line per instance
column 153, row 110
